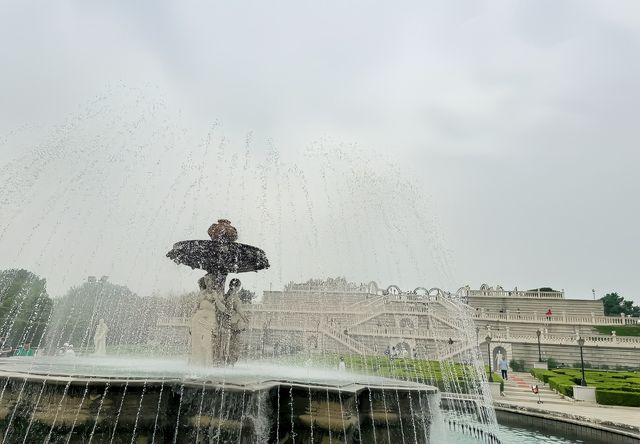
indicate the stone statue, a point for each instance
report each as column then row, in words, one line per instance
column 238, row 320
column 205, row 323
column 219, row 319
column 204, row 328
column 100, row 339
column 233, row 320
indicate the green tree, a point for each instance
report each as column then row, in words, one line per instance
column 614, row 304
column 76, row 314
column 25, row 307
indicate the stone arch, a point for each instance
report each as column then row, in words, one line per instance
column 503, row 349
column 393, row 290
column 421, row 291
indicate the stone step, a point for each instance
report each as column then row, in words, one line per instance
column 527, row 390
column 507, row 400
column 532, row 396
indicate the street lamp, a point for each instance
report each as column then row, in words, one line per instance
column 488, row 339
column 538, row 333
column 583, row 383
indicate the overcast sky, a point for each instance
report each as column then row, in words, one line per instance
column 416, row 143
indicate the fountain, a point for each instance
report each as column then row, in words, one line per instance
column 219, row 318
column 106, row 191
column 215, row 397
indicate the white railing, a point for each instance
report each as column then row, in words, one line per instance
column 354, row 344
column 563, row 318
column 589, row 341
column 413, row 333
column 517, row 294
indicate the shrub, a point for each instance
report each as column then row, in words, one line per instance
column 498, row 378
column 517, row 365
column 542, row 374
column 615, row 397
column 562, row 385
column 552, row 363
column 612, row 388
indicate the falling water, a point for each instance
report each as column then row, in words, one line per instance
column 111, row 189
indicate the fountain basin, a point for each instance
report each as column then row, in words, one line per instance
column 86, row 400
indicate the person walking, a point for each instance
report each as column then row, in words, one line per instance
column 504, row 367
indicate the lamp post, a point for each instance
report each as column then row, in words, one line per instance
column 583, row 382
column 538, row 333
column 488, row 339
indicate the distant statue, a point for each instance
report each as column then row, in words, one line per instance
column 499, row 357
column 100, row 339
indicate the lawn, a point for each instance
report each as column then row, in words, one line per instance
column 447, row 376
column 627, row 330
column 612, row 388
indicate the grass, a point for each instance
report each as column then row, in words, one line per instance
column 627, row 330
column 447, row 376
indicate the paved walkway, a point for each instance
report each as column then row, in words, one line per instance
column 518, row 396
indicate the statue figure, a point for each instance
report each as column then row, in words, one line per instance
column 205, row 325
column 499, row 357
column 234, row 321
column 203, row 332
column 100, row 339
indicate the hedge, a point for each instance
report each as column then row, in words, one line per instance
column 614, row 397
column 612, row 388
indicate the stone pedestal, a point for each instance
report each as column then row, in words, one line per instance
column 543, row 365
column 587, row 394
column 494, row 388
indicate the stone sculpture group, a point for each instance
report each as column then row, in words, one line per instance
column 219, row 318
column 217, row 324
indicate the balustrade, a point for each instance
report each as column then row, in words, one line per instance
column 517, row 294
column 563, row 319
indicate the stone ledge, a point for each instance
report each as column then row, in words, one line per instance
column 609, row 426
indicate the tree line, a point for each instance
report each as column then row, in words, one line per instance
column 29, row 314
